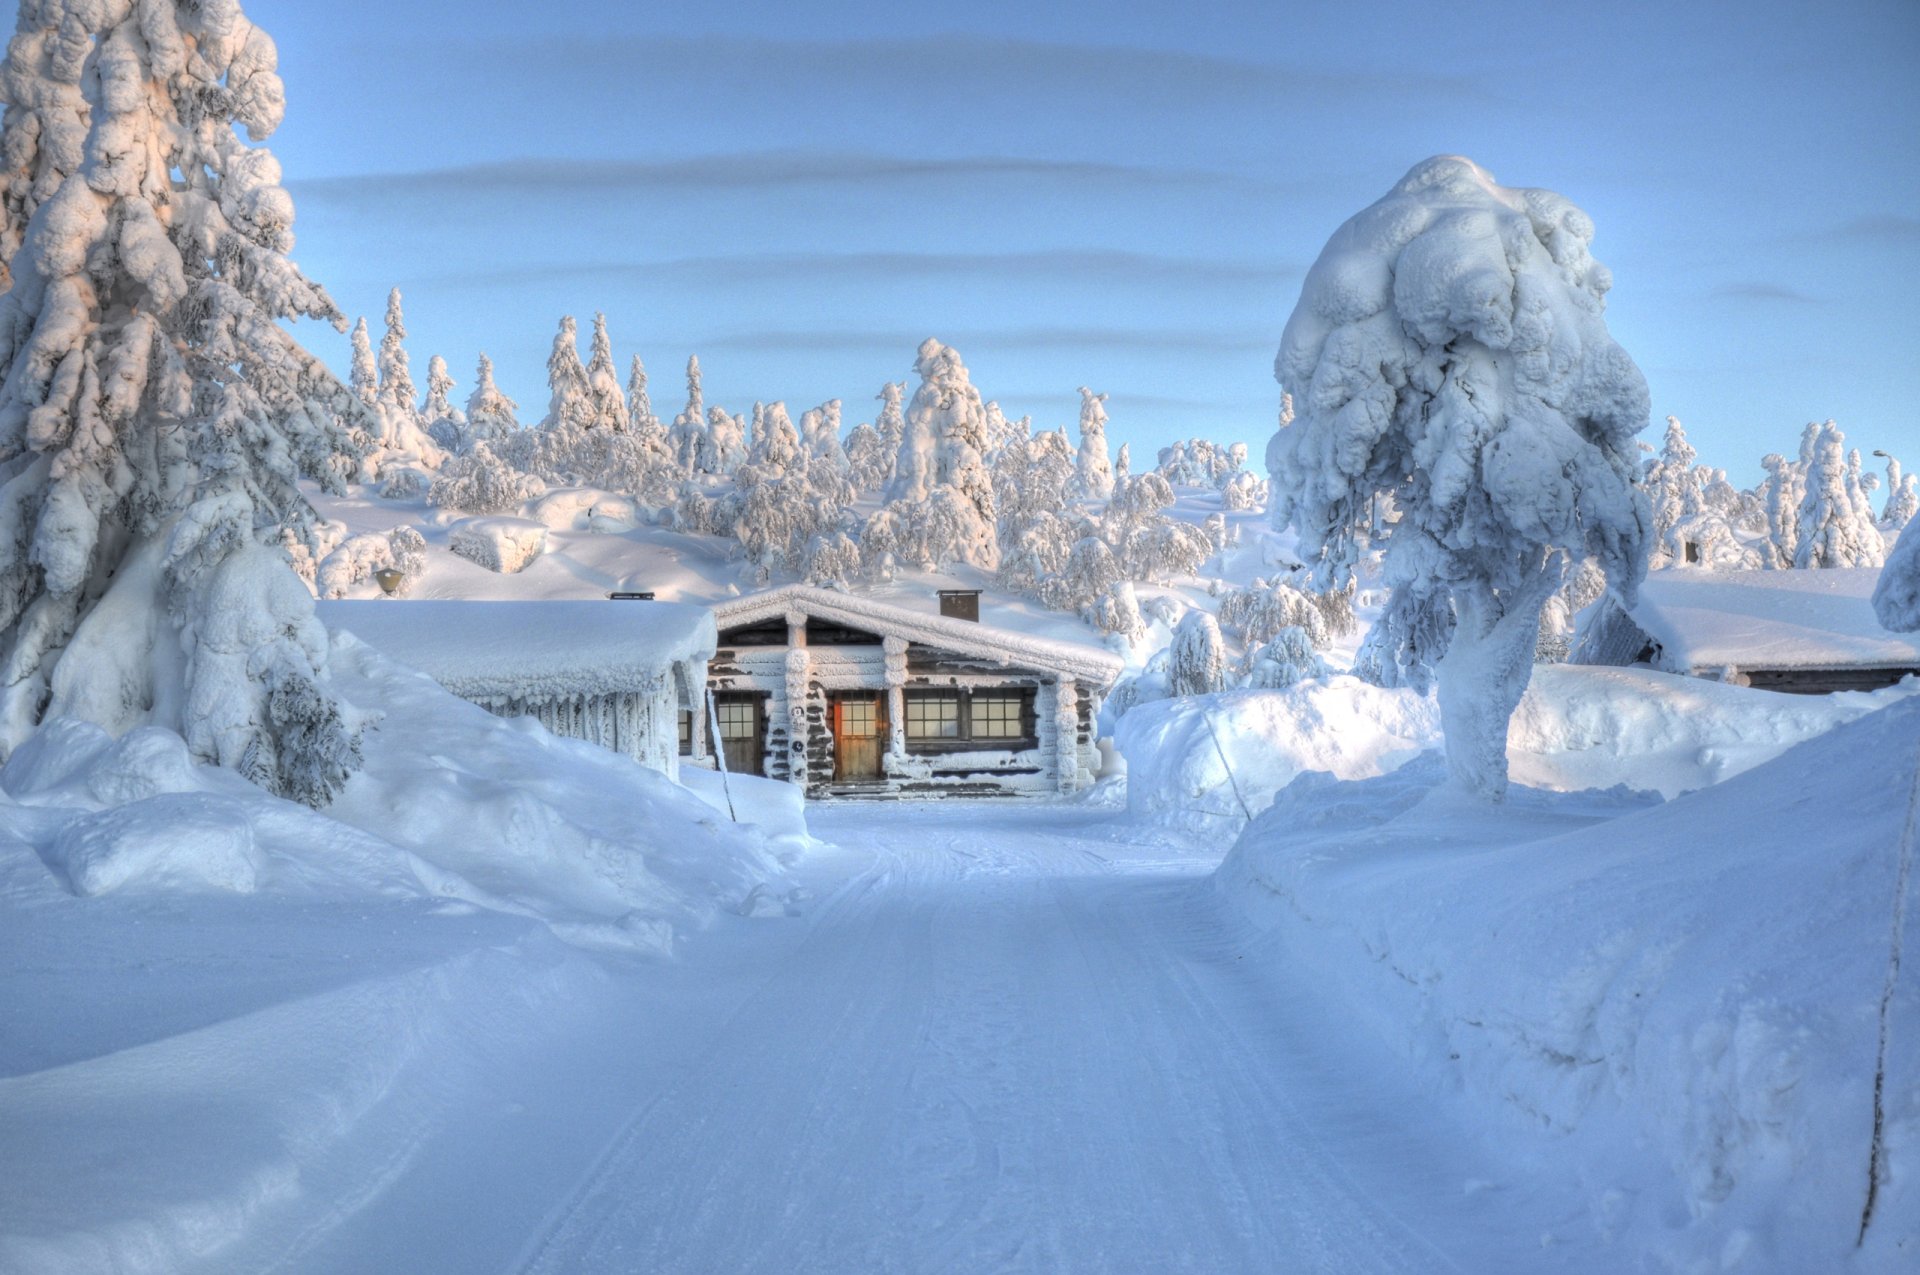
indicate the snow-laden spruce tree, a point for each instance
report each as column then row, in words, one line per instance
column 1896, row 596
column 1449, row 348
column 606, row 404
column 820, row 430
column 490, row 414
column 943, row 444
column 446, row 424
column 640, row 417
column 155, row 415
column 1094, row 472
column 691, row 423
column 44, row 132
column 568, row 396
column 364, row 373
column 1835, row 527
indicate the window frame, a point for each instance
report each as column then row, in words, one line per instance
column 966, row 740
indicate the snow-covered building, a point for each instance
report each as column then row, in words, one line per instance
column 614, row 673
column 1810, row 631
column 849, row 696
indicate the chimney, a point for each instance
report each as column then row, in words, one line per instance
column 960, row 604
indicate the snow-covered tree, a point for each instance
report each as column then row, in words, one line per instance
column 1094, row 475
column 1089, row 572
column 943, row 445
column 365, row 374
column 820, row 429
column 155, row 416
column 640, row 417
column 396, row 378
column 44, row 131
column 1835, row 527
column 1903, row 497
column 481, row 482
column 892, row 421
column 1123, row 463
column 606, row 405
column 490, row 414
column 1449, row 348
column 446, row 424
column 1782, row 491
column 569, row 404
column 869, row 463
column 691, row 423
column 1896, row 596
column 1289, row 658
column 1197, row 660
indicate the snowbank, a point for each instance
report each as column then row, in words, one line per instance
column 1681, row 1003
column 586, row 509
column 501, row 544
column 1207, row 764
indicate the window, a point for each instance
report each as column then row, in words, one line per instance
column 686, row 732
column 999, row 715
column 738, row 719
column 933, row 715
column 946, row 720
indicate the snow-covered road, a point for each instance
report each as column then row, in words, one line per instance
column 1016, row 1038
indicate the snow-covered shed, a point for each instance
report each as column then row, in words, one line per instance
column 614, row 673
column 849, row 696
column 1808, row 631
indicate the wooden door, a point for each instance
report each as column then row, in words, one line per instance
column 742, row 732
column 859, row 736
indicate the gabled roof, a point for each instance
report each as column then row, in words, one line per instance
column 1763, row 620
column 963, row 637
column 533, row 651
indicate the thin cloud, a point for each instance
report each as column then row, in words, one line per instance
column 1884, row 228
column 1751, row 291
column 746, row 171
column 1069, row 265
column 1135, row 340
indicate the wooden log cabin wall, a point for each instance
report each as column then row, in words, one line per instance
column 849, row 697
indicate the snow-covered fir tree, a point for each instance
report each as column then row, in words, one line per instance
column 396, row 377
column 943, row 446
column 606, row 404
column 1197, row 660
column 684, row 437
column 43, row 133
column 569, row 401
column 1094, row 472
column 1835, row 526
column 155, row 416
column 640, row 417
column 446, row 424
column 820, row 430
column 364, row 375
column 490, row 414
column 1123, row 462
column 1449, row 348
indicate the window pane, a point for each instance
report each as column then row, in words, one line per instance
column 686, row 731
column 736, row 720
column 933, row 716
column 859, row 717
column 997, row 716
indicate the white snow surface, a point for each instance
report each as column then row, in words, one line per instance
column 1208, row 764
column 531, row 650
column 1681, row 1004
column 1769, row 619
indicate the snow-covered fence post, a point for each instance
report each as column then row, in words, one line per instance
column 895, row 651
column 799, row 670
column 1449, row 349
column 1066, row 734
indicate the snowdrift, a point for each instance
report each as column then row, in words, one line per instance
column 1207, row 764
column 452, row 802
column 1681, row 1002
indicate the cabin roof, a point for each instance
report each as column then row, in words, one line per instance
column 974, row 638
column 1765, row 620
column 533, row 651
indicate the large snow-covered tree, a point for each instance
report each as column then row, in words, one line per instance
column 1094, row 473
column 606, row 404
column 155, row 416
column 568, row 394
column 943, row 444
column 1449, row 349
column 490, row 414
column 44, row 132
column 1836, row 527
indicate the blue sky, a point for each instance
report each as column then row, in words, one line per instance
column 1120, row 195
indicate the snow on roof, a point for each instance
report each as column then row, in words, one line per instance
column 1816, row 619
column 964, row 637
column 531, row 650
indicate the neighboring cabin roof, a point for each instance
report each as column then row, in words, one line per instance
column 533, row 651
column 1812, row 619
column 963, row 637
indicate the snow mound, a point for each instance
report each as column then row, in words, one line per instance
column 168, row 842
column 501, row 544
column 585, row 509
column 1207, row 764
column 1684, row 1002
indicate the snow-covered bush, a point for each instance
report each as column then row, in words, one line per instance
column 1896, row 596
column 1449, row 348
column 155, row 415
column 480, row 482
column 832, row 559
column 1117, row 611
column 1243, row 490
column 1261, row 612
column 505, row 545
column 1289, row 658
column 1090, row 571
column 1197, row 660
column 357, row 558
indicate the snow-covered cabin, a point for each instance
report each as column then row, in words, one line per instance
column 613, row 673
column 849, row 696
column 1805, row 631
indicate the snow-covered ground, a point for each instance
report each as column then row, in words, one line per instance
column 1018, row 1036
